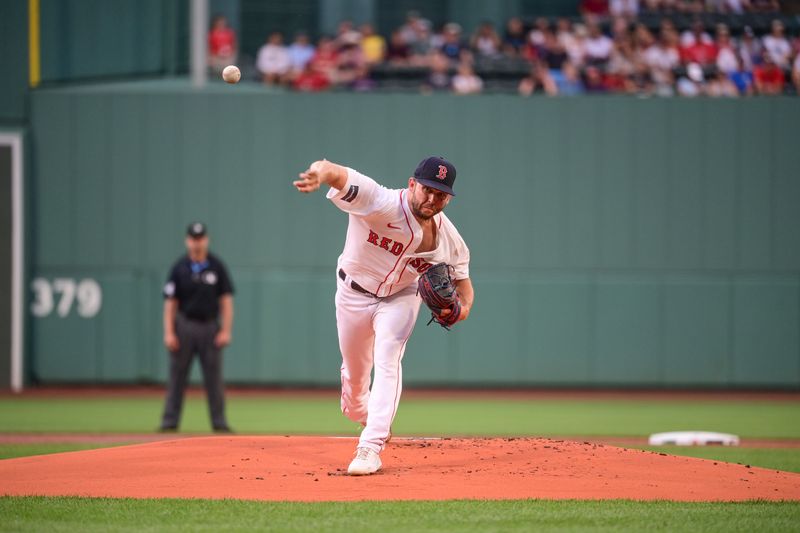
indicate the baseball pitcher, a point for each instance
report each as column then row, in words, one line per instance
column 400, row 249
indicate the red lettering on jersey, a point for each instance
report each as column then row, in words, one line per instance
column 391, row 246
column 442, row 172
column 373, row 238
column 420, row 265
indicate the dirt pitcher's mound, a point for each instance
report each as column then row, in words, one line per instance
column 312, row 469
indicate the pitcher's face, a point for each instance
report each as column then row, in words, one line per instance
column 426, row 202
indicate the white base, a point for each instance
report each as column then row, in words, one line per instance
column 693, row 438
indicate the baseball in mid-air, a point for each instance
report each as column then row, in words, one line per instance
column 231, row 74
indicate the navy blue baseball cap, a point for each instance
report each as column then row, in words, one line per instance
column 437, row 173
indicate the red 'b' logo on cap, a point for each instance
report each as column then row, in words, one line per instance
column 442, row 172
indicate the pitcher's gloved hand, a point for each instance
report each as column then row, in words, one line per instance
column 437, row 289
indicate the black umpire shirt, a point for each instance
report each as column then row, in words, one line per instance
column 198, row 286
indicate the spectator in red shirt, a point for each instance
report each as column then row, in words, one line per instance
column 222, row 47
column 769, row 77
column 699, row 50
column 597, row 8
column 312, row 79
column 326, row 58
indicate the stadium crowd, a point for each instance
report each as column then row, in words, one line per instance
column 606, row 50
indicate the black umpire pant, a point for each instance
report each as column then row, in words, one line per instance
column 195, row 337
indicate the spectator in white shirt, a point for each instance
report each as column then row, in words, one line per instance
column 273, row 61
column 623, row 59
column 624, row 8
column 777, row 45
column 576, row 47
column 749, row 49
column 565, row 33
column 693, row 84
column 538, row 35
column 598, row 46
column 694, row 34
column 727, row 61
column 662, row 57
column 485, row 41
column 408, row 31
column 466, row 81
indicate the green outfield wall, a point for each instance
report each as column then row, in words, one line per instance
column 14, row 61
column 615, row 241
column 97, row 39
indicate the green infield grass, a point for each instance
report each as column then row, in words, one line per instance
column 430, row 417
column 109, row 515
column 787, row 459
column 9, row 451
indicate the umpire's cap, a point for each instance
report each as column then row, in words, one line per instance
column 196, row 230
column 437, row 173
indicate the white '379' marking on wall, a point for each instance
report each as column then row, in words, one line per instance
column 86, row 295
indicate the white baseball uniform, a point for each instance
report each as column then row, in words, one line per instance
column 380, row 256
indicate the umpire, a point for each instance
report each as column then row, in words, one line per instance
column 198, row 317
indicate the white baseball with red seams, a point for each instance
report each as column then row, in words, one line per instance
column 380, row 256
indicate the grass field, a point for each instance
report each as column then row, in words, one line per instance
column 319, row 414
column 787, row 459
column 105, row 515
column 463, row 416
column 9, row 451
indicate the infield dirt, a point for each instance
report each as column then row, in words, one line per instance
column 313, row 469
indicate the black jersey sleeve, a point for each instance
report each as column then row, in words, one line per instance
column 225, row 285
column 171, row 287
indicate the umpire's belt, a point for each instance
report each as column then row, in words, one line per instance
column 198, row 318
column 355, row 286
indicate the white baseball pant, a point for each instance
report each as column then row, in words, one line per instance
column 373, row 332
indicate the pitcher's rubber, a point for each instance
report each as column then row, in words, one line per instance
column 314, row 469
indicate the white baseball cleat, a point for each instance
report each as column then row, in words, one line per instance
column 366, row 462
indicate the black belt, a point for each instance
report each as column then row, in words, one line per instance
column 198, row 318
column 355, row 286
